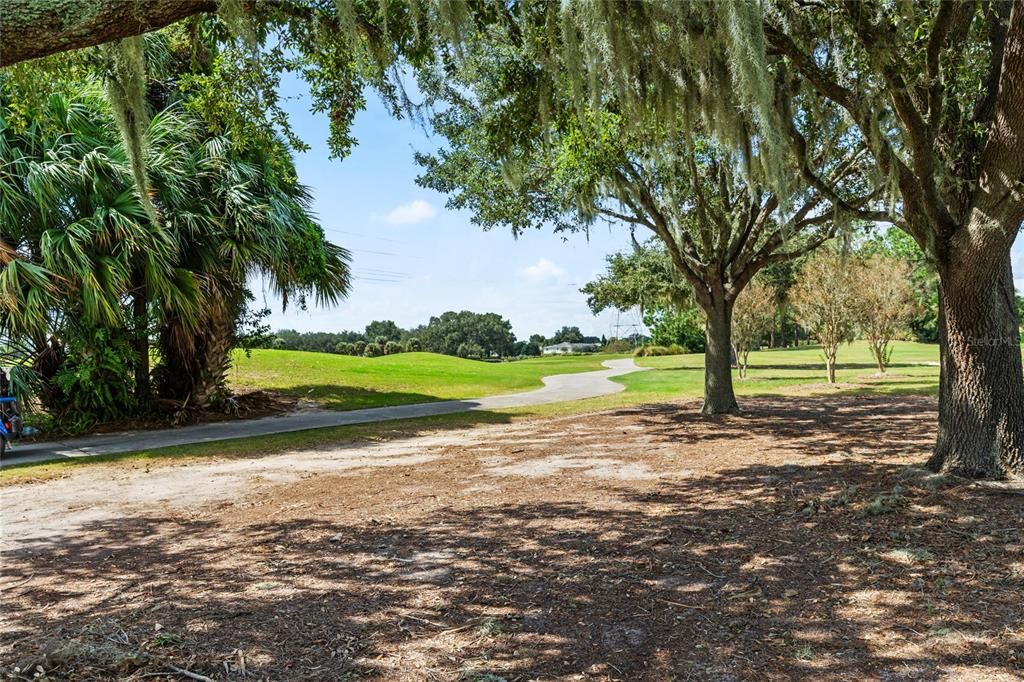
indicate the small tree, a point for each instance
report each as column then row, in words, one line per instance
column 752, row 317
column 393, row 347
column 413, row 345
column 358, row 348
column 343, row 348
column 886, row 304
column 825, row 303
column 373, row 350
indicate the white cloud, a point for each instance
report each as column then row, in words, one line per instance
column 407, row 214
column 541, row 270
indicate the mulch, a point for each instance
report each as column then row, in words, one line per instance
column 798, row 541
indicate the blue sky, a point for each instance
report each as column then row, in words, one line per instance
column 413, row 258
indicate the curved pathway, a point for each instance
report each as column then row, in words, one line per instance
column 557, row 388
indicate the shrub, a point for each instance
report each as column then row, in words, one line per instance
column 752, row 317
column 650, row 351
column 825, row 301
column 470, row 350
column 358, row 348
column 393, row 347
column 413, row 345
column 373, row 350
column 95, row 382
column 381, row 341
column 618, row 346
column 343, row 348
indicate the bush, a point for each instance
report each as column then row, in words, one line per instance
column 358, row 348
column 650, row 351
column 413, row 345
column 343, row 348
column 470, row 350
column 618, row 346
column 381, row 341
column 373, row 350
column 393, row 347
column 95, row 383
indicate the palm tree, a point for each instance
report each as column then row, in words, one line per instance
column 73, row 231
column 263, row 227
column 87, row 273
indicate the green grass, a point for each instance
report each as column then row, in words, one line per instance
column 343, row 382
column 795, row 371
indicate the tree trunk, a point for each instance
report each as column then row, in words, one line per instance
column 718, row 393
column 878, row 350
column 140, row 341
column 197, row 375
column 36, row 29
column 830, row 364
column 981, row 381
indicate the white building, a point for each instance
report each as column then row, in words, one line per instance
column 565, row 348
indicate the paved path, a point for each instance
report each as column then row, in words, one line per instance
column 557, row 388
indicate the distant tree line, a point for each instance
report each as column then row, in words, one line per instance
column 464, row 334
column 878, row 287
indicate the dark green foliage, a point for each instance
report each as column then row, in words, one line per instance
column 677, row 327
column 526, row 349
column 641, row 278
column 93, row 385
column 382, row 329
column 567, row 335
column 373, row 350
column 318, row 342
column 479, row 333
column 393, row 347
column 87, row 256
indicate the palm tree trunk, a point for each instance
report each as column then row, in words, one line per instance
column 140, row 340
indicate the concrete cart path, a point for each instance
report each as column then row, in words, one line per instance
column 557, row 388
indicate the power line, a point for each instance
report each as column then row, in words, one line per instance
column 377, row 271
column 364, row 236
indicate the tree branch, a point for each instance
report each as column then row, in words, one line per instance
column 999, row 194
column 33, row 29
column 922, row 142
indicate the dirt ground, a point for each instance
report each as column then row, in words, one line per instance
column 796, row 542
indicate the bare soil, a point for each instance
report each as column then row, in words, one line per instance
column 798, row 541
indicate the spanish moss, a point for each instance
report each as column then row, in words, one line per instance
column 126, row 91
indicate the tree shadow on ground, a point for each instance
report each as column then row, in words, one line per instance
column 336, row 396
column 833, row 566
column 813, row 427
